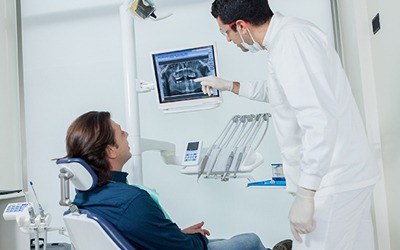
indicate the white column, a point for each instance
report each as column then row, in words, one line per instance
column 134, row 166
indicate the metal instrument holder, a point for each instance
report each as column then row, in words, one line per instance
column 233, row 154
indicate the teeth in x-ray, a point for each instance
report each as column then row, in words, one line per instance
column 178, row 77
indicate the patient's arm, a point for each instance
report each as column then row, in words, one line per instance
column 197, row 228
column 145, row 224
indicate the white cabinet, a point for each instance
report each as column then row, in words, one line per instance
column 11, row 161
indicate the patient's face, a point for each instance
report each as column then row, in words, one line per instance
column 121, row 139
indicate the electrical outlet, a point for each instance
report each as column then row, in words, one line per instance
column 376, row 24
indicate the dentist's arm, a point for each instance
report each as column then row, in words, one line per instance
column 212, row 82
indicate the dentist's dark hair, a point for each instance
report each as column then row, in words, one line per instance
column 256, row 12
column 88, row 137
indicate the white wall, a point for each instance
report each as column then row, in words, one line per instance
column 73, row 65
column 371, row 64
column 386, row 60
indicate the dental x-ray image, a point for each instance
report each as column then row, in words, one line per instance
column 176, row 70
column 177, row 78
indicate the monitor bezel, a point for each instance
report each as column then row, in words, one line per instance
column 212, row 100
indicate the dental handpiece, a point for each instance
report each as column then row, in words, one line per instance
column 225, row 141
column 228, row 165
column 207, row 156
column 41, row 211
column 32, row 214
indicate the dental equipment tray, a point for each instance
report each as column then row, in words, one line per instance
column 267, row 183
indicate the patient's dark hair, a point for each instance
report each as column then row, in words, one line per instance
column 256, row 12
column 88, row 137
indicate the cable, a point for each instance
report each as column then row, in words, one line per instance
column 266, row 118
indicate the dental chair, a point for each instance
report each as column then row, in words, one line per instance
column 86, row 229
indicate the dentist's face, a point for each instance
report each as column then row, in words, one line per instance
column 230, row 34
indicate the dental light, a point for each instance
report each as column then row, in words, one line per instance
column 144, row 9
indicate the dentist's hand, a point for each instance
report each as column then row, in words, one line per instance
column 212, row 82
column 301, row 213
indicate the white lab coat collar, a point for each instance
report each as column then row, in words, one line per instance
column 273, row 28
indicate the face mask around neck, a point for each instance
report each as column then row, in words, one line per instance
column 253, row 48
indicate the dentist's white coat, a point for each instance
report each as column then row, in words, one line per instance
column 319, row 128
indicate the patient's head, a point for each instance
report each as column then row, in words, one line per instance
column 97, row 139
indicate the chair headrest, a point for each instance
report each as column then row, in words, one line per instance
column 84, row 178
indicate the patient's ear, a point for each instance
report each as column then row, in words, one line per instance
column 111, row 152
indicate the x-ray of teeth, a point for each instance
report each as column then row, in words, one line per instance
column 177, row 77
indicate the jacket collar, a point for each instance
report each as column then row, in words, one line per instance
column 273, row 28
column 118, row 176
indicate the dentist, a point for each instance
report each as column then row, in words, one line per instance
column 326, row 158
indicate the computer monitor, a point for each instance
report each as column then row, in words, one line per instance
column 175, row 72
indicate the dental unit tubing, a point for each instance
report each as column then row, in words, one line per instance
column 248, row 140
column 248, row 145
column 233, row 151
column 226, row 138
column 204, row 162
column 231, row 157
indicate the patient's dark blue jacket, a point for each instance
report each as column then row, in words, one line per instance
column 136, row 216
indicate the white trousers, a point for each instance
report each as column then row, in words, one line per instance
column 343, row 222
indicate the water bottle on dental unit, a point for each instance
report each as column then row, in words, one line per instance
column 277, row 172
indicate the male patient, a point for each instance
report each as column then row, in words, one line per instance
column 97, row 139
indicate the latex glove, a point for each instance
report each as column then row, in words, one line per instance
column 301, row 213
column 197, row 228
column 212, row 82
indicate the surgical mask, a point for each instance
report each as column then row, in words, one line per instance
column 253, row 48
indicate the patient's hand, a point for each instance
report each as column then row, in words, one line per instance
column 197, row 228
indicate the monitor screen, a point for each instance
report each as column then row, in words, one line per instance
column 176, row 70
